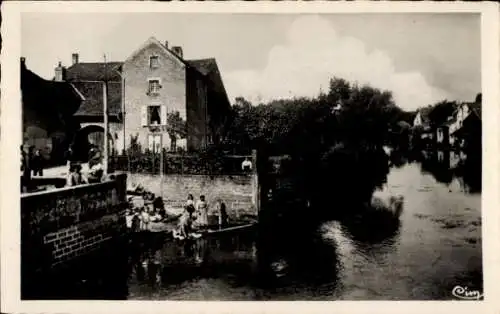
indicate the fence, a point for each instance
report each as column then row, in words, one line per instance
column 202, row 164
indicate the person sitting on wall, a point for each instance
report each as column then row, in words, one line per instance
column 246, row 165
column 95, row 173
column 75, row 176
column 94, row 157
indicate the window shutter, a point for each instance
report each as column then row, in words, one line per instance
column 163, row 115
column 151, row 142
column 144, row 115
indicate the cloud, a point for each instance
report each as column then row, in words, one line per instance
column 313, row 54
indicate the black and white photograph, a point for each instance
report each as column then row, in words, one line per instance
column 196, row 156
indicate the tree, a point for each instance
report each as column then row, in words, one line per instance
column 441, row 111
column 176, row 128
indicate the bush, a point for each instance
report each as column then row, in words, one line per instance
column 207, row 162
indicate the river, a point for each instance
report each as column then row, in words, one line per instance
column 435, row 247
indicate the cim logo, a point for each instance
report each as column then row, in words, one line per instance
column 464, row 293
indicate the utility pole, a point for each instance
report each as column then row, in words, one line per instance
column 123, row 118
column 106, row 114
column 161, row 164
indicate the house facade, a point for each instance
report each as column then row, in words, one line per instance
column 465, row 112
column 155, row 95
column 421, row 122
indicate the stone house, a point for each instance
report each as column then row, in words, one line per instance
column 153, row 84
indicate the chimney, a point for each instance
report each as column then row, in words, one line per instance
column 166, row 44
column 177, row 50
column 59, row 73
column 74, row 57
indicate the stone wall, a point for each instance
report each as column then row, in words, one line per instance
column 237, row 192
column 63, row 224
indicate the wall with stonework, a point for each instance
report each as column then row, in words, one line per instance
column 63, row 224
column 237, row 192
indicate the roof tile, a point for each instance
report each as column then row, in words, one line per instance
column 93, row 103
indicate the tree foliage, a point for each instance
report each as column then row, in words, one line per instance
column 347, row 113
column 176, row 128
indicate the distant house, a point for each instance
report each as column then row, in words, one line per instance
column 422, row 122
column 47, row 113
column 465, row 122
column 153, row 84
column 442, row 134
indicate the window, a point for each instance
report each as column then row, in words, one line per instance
column 154, row 62
column 155, row 114
column 154, row 143
column 154, row 86
column 154, row 117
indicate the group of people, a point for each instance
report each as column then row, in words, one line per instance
column 141, row 218
column 96, row 171
column 195, row 217
column 32, row 163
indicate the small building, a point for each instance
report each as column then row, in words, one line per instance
column 47, row 113
column 155, row 95
column 422, row 135
column 422, row 122
column 443, row 134
column 465, row 124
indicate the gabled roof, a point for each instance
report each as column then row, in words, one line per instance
column 153, row 40
column 94, row 71
column 87, row 78
column 93, row 92
column 209, row 68
column 204, row 66
column 424, row 113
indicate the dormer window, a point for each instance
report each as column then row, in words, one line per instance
column 154, row 62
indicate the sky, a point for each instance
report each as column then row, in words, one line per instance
column 421, row 58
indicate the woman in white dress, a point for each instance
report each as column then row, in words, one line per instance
column 202, row 212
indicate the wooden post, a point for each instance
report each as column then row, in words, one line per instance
column 161, row 165
column 106, row 127
column 255, row 183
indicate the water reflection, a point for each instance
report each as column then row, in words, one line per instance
column 446, row 166
column 272, row 267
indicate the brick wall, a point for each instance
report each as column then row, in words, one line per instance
column 62, row 224
column 83, row 238
column 237, row 192
column 172, row 94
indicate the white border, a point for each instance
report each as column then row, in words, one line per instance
column 11, row 132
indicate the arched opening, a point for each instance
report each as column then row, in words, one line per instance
column 90, row 136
